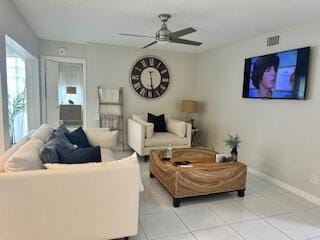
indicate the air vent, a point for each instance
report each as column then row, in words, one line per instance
column 271, row 41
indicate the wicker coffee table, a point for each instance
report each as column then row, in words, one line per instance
column 201, row 177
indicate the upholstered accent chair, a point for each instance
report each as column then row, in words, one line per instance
column 143, row 139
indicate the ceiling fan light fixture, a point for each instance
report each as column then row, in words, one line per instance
column 162, row 42
column 164, row 35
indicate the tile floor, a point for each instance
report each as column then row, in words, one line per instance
column 266, row 212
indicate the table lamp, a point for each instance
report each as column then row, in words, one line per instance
column 71, row 90
column 189, row 107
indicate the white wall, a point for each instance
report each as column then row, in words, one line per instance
column 14, row 25
column 73, row 50
column 109, row 66
column 280, row 137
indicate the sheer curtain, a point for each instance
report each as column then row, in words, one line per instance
column 70, row 75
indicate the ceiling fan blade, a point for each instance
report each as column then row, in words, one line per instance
column 185, row 41
column 135, row 35
column 148, row 45
column 182, row 32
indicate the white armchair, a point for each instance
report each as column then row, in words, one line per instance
column 142, row 139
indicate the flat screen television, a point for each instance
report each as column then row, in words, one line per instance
column 281, row 75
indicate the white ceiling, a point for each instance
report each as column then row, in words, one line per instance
column 219, row 22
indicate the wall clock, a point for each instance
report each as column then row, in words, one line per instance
column 149, row 77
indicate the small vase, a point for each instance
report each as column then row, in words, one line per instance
column 234, row 154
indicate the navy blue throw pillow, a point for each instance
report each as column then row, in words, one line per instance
column 79, row 138
column 79, row 155
column 158, row 122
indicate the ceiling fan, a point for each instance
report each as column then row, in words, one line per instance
column 165, row 35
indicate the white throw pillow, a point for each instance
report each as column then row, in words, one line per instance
column 176, row 127
column 4, row 157
column 133, row 159
column 104, row 139
column 26, row 157
column 149, row 127
column 43, row 132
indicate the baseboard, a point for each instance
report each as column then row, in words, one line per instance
column 286, row 186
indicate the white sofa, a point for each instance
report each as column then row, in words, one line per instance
column 142, row 140
column 72, row 203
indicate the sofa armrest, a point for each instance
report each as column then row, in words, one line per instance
column 96, row 129
column 136, row 135
column 98, row 203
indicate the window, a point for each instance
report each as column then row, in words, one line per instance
column 17, row 102
column 23, row 93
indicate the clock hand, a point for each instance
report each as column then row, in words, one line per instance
column 150, row 72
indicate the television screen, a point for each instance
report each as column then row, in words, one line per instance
column 281, row 75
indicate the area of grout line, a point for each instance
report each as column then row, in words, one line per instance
column 143, row 230
column 263, row 219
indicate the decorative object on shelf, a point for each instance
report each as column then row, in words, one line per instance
column 220, row 157
column 190, row 107
column 233, row 143
column 149, row 77
column 72, row 91
column 168, row 153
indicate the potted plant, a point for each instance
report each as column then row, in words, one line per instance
column 17, row 105
column 233, row 143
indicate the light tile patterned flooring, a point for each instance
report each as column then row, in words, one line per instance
column 267, row 212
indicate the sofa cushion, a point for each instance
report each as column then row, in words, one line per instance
column 165, row 138
column 176, row 127
column 128, row 160
column 62, row 129
column 79, row 138
column 158, row 122
column 43, row 132
column 79, row 155
column 26, row 157
column 106, row 155
column 103, row 138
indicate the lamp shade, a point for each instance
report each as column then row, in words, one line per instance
column 71, row 90
column 189, row 106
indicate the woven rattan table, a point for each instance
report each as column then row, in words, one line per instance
column 202, row 177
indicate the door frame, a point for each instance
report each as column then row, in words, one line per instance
column 43, row 83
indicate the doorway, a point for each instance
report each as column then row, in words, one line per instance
column 63, row 86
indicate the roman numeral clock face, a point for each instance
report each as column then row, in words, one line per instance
column 149, row 77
